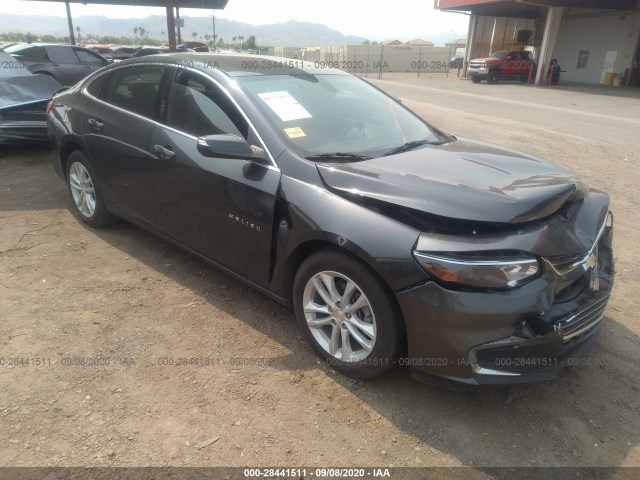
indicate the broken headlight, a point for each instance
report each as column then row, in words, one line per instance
column 481, row 272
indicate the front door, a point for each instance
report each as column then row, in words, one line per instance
column 221, row 208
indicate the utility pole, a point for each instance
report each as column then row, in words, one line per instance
column 213, row 18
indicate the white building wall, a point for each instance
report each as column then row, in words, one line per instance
column 597, row 34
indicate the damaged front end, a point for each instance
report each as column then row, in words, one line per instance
column 527, row 320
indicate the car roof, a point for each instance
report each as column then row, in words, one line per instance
column 42, row 44
column 237, row 65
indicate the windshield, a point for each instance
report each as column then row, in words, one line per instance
column 328, row 114
column 500, row 54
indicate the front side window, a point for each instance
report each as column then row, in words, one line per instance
column 88, row 57
column 199, row 109
column 136, row 89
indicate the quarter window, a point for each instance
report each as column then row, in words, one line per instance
column 136, row 89
column 97, row 86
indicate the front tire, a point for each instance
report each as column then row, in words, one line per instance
column 86, row 197
column 476, row 79
column 347, row 314
column 493, row 77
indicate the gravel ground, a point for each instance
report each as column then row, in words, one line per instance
column 132, row 302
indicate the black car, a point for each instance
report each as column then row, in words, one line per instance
column 394, row 242
column 68, row 64
column 146, row 51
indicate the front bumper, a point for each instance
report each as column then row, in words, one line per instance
column 483, row 71
column 519, row 336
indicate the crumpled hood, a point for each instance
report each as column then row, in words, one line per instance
column 464, row 180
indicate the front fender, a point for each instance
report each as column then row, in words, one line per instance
column 309, row 214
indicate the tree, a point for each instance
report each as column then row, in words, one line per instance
column 78, row 30
column 250, row 44
column 366, row 42
column 194, row 35
column 234, row 41
column 241, row 38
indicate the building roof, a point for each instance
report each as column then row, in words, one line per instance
column 393, row 41
column 460, row 42
column 418, row 42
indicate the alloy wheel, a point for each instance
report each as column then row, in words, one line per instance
column 339, row 316
column 82, row 189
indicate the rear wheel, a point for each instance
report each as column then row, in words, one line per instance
column 86, row 196
column 493, row 76
column 524, row 78
column 476, row 79
column 348, row 316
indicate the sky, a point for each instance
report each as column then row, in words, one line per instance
column 351, row 17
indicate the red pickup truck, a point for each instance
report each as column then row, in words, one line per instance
column 502, row 64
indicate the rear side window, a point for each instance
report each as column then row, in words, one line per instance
column 136, row 89
column 61, row 54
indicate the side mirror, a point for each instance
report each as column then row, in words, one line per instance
column 224, row 146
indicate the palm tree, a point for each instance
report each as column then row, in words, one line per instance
column 234, row 41
column 241, row 38
column 194, row 35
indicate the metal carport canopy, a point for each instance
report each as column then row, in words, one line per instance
column 527, row 8
column 168, row 4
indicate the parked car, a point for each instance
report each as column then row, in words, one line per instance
column 146, row 51
column 4, row 45
column 193, row 46
column 68, row 64
column 504, row 64
column 23, row 100
column 457, row 62
column 393, row 242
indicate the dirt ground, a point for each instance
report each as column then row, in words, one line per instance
column 135, row 304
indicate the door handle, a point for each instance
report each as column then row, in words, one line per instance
column 95, row 124
column 165, row 153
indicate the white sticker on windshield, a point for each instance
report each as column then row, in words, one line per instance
column 284, row 105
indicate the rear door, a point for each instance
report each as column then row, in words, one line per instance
column 65, row 65
column 118, row 129
column 88, row 62
column 221, row 208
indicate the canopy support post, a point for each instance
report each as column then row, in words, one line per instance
column 72, row 37
column 171, row 26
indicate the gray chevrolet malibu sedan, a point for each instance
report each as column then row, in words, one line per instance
column 394, row 243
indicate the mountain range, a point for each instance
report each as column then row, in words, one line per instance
column 287, row 34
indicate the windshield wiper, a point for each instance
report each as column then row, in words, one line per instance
column 338, row 156
column 410, row 146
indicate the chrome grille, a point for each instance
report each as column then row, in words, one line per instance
column 584, row 320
